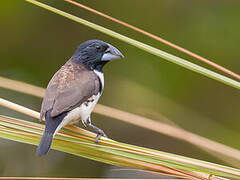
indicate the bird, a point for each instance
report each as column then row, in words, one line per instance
column 75, row 89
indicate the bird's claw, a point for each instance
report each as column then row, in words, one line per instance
column 99, row 135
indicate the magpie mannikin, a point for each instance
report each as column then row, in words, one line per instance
column 75, row 89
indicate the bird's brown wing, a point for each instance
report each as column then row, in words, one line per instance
column 72, row 85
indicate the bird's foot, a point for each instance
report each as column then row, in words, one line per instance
column 99, row 132
column 99, row 135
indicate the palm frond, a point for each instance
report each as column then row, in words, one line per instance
column 75, row 141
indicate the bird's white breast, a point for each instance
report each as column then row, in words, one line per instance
column 84, row 110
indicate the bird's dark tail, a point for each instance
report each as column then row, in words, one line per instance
column 45, row 144
column 50, row 128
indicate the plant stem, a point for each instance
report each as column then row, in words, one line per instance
column 221, row 68
column 217, row 149
column 145, row 47
column 19, row 108
column 154, row 154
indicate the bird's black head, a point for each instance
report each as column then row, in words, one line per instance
column 95, row 54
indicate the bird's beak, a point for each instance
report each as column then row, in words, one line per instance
column 112, row 53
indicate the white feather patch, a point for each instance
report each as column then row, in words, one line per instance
column 101, row 77
column 84, row 110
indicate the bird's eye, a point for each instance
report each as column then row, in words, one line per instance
column 98, row 47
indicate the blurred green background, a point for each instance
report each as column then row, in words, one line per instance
column 35, row 43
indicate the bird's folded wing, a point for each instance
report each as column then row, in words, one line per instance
column 70, row 87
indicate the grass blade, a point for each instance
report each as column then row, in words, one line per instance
column 112, row 152
column 219, row 150
column 52, row 178
column 221, row 68
column 169, row 57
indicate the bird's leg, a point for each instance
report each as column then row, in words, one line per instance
column 100, row 132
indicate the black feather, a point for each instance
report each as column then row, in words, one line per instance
column 45, row 144
column 90, row 53
column 50, row 128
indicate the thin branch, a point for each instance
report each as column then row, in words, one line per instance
column 221, row 68
column 137, row 120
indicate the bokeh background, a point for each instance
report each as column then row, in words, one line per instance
column 35, row 43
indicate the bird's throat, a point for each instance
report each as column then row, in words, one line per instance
column 100, row 65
